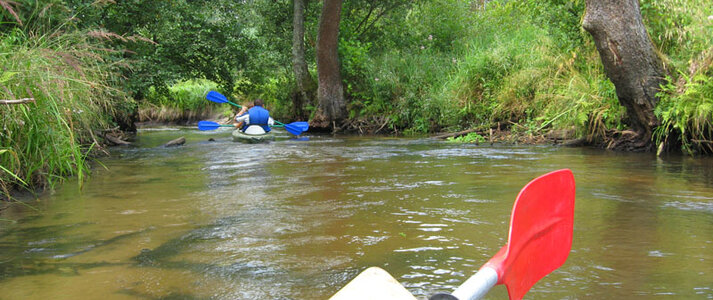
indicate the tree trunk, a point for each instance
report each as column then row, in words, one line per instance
column 630, row 62
column 305, row 84
column 332, row 109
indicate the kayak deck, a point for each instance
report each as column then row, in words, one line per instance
column 374, row 284
column 239, row 136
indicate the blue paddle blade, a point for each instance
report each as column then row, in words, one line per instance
column 216, row 97
column 297, row 128
column 304, row 125
column 207, row 125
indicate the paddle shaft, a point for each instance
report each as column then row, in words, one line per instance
column 234, row 104
column 474, row 288
column 477, row 285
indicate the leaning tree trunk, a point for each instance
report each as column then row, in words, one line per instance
column 631, row 64
column 332, row 109
column 305, row 84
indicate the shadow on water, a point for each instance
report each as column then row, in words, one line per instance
column 40, row 250
column 164, row 255
column 171, row 296
column 44, row 247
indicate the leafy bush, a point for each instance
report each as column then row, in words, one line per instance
column 468, row 138
column 682, row 31
column 686, row 112
column 185, row 95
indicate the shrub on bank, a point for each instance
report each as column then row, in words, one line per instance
column 536, row 76
column 183, row 101
column 682, row 32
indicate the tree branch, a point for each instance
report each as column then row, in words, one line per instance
column 454, row 134
column 376, row 19
column 363, row 21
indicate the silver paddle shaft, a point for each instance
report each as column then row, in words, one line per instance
column 477, row 285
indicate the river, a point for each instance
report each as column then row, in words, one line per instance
column 297, row 219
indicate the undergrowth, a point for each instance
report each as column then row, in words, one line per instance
column 184, row 101
column 682, row 31
column 70, row 80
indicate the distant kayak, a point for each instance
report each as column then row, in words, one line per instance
column 239, row 136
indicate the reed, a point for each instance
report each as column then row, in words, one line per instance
column 71, row 81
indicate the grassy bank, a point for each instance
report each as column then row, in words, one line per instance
column 182, row 102
column 450, row 65
column 534, row 77
column 683, row 32
column 71, row 83
column 429, row 66
column 542, row 74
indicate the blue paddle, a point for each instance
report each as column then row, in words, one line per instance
column 295, row 128
column 208, row 125
column 219, row 98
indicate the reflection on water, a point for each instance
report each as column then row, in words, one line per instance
column 297, row 219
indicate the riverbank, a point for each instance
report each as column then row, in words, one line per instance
column 74, row 100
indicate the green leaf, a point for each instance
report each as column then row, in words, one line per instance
column 6, row 76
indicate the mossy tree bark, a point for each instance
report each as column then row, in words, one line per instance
column 305, row 85
column 630, row 62
column 332, row 109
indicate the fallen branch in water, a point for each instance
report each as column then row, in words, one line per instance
column 455, row 134
column 115, row 139
column 18, row 101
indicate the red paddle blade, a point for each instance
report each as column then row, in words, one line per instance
column 540, row 233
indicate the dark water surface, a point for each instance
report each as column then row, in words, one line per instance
column 298, row 219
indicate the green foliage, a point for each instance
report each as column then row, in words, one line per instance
column 682, row 31
column 391, row 72
column 397, row 86
column 499, row 74
column 687, row 112
column 71, row 83
column 560, row 18
column 173, row 41
column 186, row 95
column 455, row 67
column 273, row 92
column 416, row 66
column 468, row 138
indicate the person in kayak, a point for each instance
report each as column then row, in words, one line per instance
column 255, row 120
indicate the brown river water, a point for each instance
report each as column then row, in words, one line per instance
column 297, row 219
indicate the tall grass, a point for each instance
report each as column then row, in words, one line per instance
column 184, row 101
column 392, row 82
column 68, row 76
column 399, row 85
column 683, row 31
column 528, row 78
column 686, row 110
column 519, row 63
